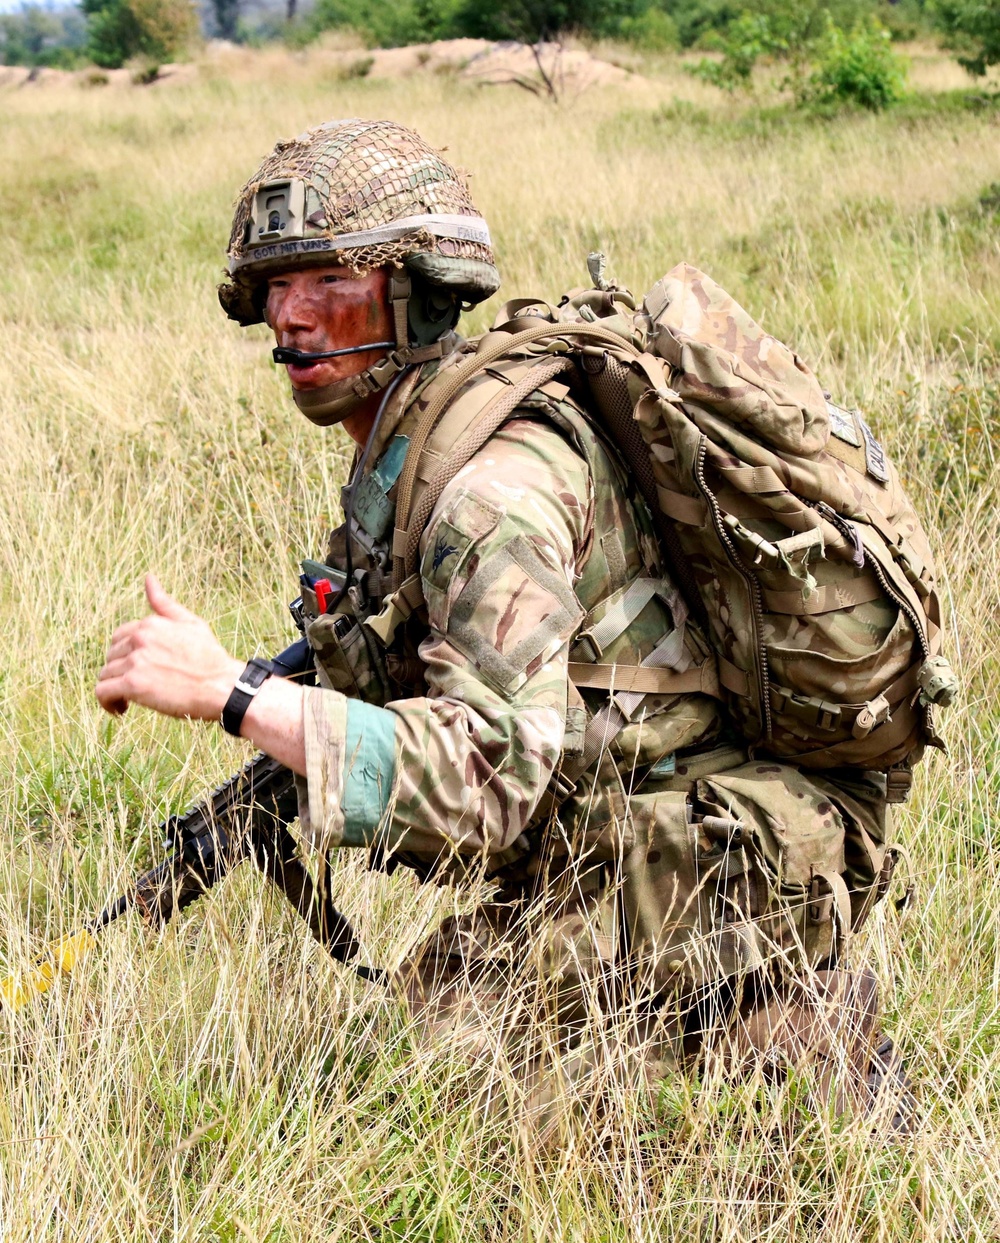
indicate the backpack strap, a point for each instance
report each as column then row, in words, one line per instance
column 493, row 347
column 405, row 550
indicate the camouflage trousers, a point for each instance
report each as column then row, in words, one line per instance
column 533, row 996
column 542, row 997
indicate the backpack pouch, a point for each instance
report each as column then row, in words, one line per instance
column 743, row 870
column 346, row 659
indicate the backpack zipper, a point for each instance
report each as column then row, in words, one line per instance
column 850, row 531
column 756, row 602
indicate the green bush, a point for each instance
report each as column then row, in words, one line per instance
column 828, row 63
column 531, row 20
column 859, row 68
column 972, row 29
column 747, row 39
column 654, row 29
column 386, row 23
column 392, row 23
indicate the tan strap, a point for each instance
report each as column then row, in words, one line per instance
column 494, row 415
column 494, row 346
column 841, row 897
column 733, row 678
column 890, row 734
column 882, row 862
column 862, row 717
column 512, row 310
column 647, row 681
column 624, row 611
column 400, row 289
column 691, row 510
column 824, row 599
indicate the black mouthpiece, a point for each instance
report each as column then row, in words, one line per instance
column 284, row 356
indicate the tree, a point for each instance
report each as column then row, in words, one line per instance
column 118, row 30
column 531, row 21
column 972, row 29
column 36, row 36
column 227, row 16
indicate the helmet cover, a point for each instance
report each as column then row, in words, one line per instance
column 361, row 194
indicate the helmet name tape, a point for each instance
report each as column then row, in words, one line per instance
column 461, row 228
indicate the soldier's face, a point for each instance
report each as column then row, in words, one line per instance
column 329, row 308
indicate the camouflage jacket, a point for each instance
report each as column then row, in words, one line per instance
column 442, row 747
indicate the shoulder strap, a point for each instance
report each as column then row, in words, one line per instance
column 492, row 417
column 493, row 347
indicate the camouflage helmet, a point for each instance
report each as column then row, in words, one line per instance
column 363, row 194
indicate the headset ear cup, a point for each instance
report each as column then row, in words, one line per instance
column 431, row 312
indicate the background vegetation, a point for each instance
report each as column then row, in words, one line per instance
column 743, row 30
column 223, row 1080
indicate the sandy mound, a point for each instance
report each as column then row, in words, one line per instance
column 14, row 76
column 472, row 60
column 495, row 64
column 439, row 57
column 519, row 64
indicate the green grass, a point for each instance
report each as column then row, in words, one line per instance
column 225, row 1081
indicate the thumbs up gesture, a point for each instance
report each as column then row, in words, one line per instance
column 169, row 661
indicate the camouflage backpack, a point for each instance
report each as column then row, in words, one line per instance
column 786, row 526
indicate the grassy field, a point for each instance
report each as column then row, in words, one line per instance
column 224, row 1080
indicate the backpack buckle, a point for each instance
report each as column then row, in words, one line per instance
column 820, row 904
column 561, row 788
column 897, row 785
column 586, row 648
column 817, row 713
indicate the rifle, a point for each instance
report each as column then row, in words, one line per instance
column 245, row 817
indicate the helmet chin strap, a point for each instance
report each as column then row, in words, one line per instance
column 334, row 402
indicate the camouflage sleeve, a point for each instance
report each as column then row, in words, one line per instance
column 465, row 765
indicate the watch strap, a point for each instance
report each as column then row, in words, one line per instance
column 241, row 696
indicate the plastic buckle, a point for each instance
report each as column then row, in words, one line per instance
column 297, row 610
column 820, row 904
column 897, row 785
column 827, row 716
column 815, row 712
column 592, row 650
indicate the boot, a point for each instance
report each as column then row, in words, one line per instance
column 826, row 1021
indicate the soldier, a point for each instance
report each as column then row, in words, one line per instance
column 446, row 718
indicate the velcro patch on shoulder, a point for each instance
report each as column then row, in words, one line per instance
column 514, row 613
column 466, row 520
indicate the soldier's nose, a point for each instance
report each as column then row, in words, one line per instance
column 295, row 313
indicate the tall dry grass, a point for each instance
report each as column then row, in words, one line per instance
column 224, row 1080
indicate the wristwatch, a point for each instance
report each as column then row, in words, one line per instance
column 247, row 685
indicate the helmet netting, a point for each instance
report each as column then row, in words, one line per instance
column 360, row 175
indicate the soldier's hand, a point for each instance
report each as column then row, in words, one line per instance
column 169, row 661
